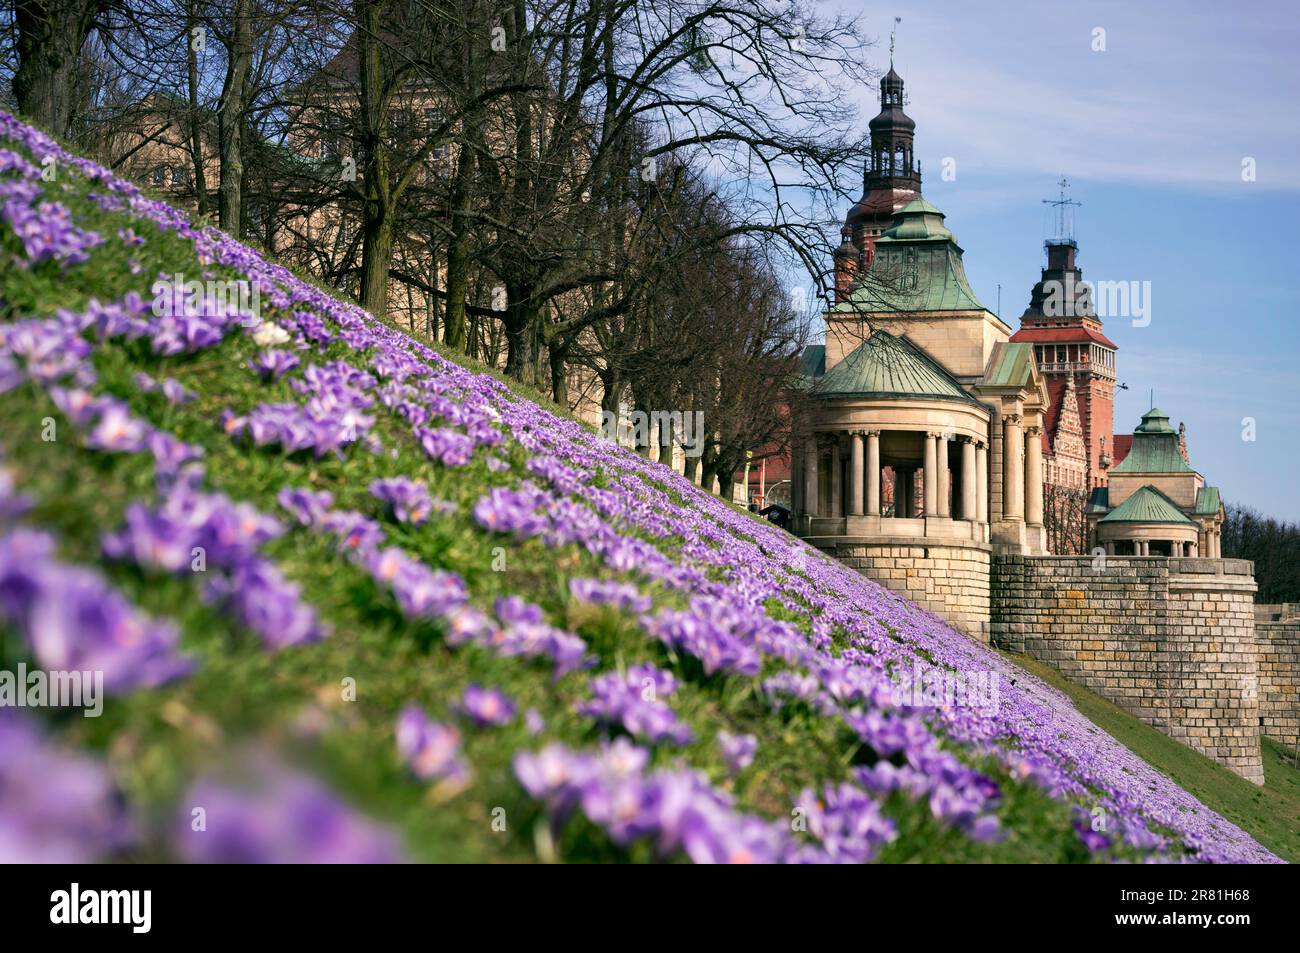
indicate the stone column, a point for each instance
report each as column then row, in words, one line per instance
column 1034, row 477
column 981, row 483
column 796, row 476
column 837, row 479
column 931, row 474
column 1013, row 472
column 900, row 493
column 873, row 472
column 810, row 487
column 945, row 491
column 855, row 473
column 968, row 479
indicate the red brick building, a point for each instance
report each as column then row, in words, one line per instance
column 1078, row 362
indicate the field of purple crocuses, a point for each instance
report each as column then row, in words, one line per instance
column 351, row 600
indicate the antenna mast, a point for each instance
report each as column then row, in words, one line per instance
column 1064, row 218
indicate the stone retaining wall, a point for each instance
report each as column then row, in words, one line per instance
column 1278, row 653
column 1171, row 640
column 951, row 580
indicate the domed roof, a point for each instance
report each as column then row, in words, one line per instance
column 875, row 203
column 918, row 219
column 1147, row 505
column 889, row 367
column 1154, row 420
column 892, row 117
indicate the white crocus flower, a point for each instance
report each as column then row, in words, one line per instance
column 270, row 334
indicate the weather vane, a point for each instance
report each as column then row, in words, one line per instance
column 892, row 34
column 1064, row 225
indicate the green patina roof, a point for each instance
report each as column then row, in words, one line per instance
column 1012, row 365
column 1207, row 500
column 1155, row 448
column 1099, row 500
column 1147, row 505
column 917, row 219
column 889, row 366
column 1154, row 420
column 812, row 363
column 917, row 266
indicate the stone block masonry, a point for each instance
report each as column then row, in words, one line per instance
column 1171, row 640
column 950, row 579
column 1278, row 653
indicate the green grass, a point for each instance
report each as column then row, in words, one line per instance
column 243, row 697
column 1270, row 814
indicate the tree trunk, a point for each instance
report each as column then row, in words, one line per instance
column 556, row 352
column 230, row 118
column 196, row 120
column 49, row 39
column 458, row 254
column 691, row 469
column 376, row 255
column 377, row 225
column 612, row 395
column 521, row 338
column 666, row 446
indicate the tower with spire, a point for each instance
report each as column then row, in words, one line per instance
column 890, row 180
column 1076, row 359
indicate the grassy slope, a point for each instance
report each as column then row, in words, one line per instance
column 242, row 695
column 1271, row 814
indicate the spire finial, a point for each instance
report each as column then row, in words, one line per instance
column 1064, row 221
column 892, row 34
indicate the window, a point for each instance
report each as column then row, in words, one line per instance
column 179, row 179
column 158, row 177
column 433, row 120
column 332, row 139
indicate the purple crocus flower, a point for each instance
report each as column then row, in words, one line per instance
column 408, row 499
column 117, row 431
column 308, row 507
column 285, row 818
column 176, row 393
column 487, row 706
column 76, row 622
column 274, row 364
column 56, row 807
column 449, row 447
column 737, row 750
column 430, row 749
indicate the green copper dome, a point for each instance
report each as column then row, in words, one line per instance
column 1147, row 505
column 1154, row 420
column 1155, row 448
column 888, row 366
column 917, row 266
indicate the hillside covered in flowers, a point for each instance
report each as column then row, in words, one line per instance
column 355, row 602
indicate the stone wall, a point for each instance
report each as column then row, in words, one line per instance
column 1171, row 640
column 1278, row 645
column 949, row 579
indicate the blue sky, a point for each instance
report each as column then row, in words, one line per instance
column 1152, row 133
